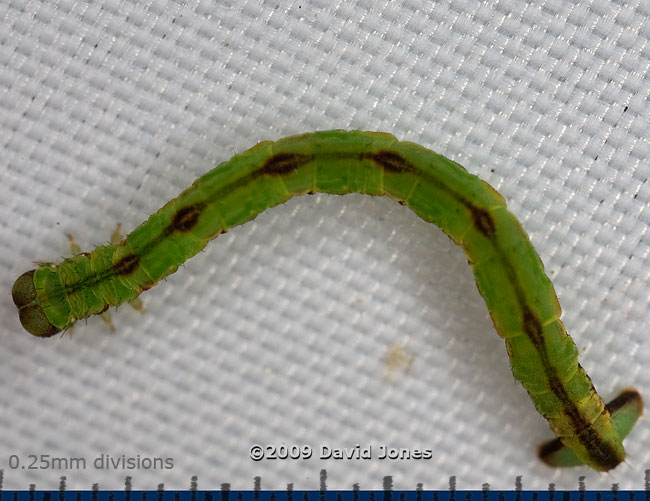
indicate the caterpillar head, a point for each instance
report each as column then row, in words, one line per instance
column 32, row 316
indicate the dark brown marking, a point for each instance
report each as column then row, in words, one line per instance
column 279, row 164
column 390, row 161
column 579, row 423
column 145, row 287
column 557, row 387
column 606, row 458
column 127, row 265
column 185, row 219
column 284, row 163
column 601, row 452
column 624, row 398
column 533, row 329
column 482, row 220
column 549, row 448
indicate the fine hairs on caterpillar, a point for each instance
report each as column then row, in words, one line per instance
column 509, row 273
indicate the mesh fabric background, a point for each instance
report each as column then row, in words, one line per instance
column 328, row 320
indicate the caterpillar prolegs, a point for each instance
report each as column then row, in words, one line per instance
column 509, row 273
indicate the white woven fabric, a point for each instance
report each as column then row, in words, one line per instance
column 329, row 320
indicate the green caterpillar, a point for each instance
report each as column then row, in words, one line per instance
column 509, row 273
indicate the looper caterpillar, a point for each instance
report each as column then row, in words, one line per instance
column 509, row 273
